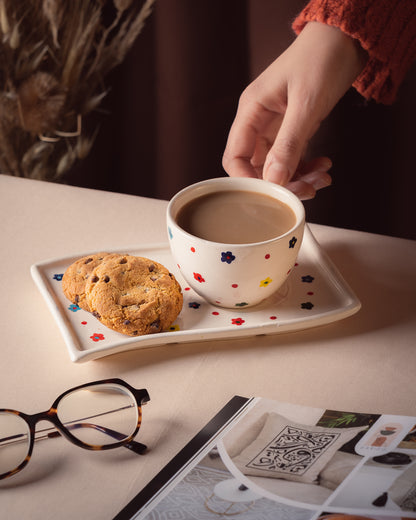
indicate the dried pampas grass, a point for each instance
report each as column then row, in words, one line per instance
column 54, row 56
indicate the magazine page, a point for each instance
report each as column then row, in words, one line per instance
column 276, row 460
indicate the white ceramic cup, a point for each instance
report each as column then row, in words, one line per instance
column 234, row 275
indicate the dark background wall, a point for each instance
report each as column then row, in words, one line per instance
column 166, row 118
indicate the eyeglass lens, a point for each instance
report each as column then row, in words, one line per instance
column 97, row 415
column 14, row 441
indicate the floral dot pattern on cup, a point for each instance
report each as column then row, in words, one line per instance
column 292, row 242
column 227, row 257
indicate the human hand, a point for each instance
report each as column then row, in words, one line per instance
column 282, row 109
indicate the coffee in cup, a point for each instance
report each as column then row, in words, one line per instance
column 236, row 217
column 235, row 240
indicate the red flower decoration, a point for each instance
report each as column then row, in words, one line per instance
column 198, row 278
column 97, row 337
column 237, row 321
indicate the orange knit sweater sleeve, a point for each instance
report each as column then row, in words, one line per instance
column 386, row 29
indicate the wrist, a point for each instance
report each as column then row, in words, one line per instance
column 330, row 40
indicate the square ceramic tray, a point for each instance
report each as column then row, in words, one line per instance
column 314, row 294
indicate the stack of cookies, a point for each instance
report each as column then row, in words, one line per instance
column 129, row 294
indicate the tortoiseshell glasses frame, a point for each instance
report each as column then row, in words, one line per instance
column 100, row 415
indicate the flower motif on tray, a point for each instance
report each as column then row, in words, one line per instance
column 307, row 305
column 266, row 282
column 97, row 337
column 308, row 278
column 194, row 305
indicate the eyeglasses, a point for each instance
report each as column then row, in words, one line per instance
column 96, row 416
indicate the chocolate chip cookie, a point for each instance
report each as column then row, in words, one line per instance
column 75, row 277
column 133, row 295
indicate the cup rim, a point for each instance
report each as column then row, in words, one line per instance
column 244, row 183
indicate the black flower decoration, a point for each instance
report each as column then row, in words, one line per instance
column 292, row 242
column 194, row 305
column 227, row 257
column 308, row 278
column 306, row 305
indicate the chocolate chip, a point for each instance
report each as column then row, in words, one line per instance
column 126, row 322
column 153, row 278
column 88, row 260
column 151, row 267
column 77, row 298
column 94, row 279
column 106, row 279
column 135, row 332
column 123, row 261
column 155, row 324
column 96, row 314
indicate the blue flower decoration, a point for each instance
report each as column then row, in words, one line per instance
column 170, row 233
column 74, row 308
column 307, row 305
column 58, row 277
column 194, row 305
column 227, row 257
column 292, row 242
column 308, row 278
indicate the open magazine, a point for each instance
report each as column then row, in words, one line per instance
column 265, row 460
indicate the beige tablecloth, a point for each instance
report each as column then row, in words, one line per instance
column 365, row 362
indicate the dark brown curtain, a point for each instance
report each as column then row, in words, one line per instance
column 170, row 105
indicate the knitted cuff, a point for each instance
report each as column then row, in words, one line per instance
column 386, row 29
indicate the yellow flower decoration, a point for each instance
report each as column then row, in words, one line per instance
column 173, row 328
column 266, row 282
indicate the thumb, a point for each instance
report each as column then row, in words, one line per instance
column 283, row 157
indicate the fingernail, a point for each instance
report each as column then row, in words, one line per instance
column 302, row 193
column 277, row 173
column 321, row 183
column 325, row 166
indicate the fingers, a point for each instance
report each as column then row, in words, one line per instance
column 291, row 140
column 239, row 150
column 307, row 185
column 250, row 138
column 310, row 177
column 318, row 164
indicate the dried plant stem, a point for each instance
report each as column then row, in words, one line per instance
column 54, row 57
